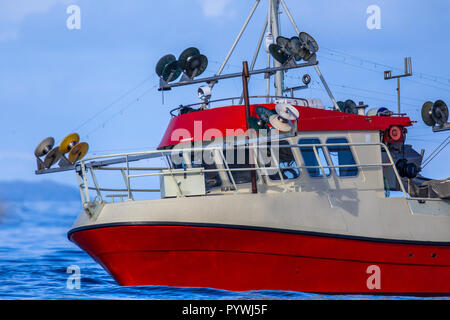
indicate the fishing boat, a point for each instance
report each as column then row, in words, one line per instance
column 271, row 192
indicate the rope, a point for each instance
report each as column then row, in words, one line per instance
column 436, row 151
column 111, row 104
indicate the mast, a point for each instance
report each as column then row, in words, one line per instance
column 272, row 23
column 273, row 16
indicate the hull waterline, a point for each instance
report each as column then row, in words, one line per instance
column 239, row 258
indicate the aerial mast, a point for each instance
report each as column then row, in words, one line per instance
column 274, row 29
column 284, row 52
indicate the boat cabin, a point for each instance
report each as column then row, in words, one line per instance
column 326, row 150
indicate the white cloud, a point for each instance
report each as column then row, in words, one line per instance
column 214, row 8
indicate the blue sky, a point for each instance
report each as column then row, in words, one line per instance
column 54, row 80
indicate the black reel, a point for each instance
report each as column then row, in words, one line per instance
column 406, row 170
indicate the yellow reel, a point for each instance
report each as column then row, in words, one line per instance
column 78, row 152
column 69, row 142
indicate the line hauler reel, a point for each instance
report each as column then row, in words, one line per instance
column 190, row 64
column 436, row 115
column 45, row 148
column 287, row 50
column 285, row 113
column 76, row 151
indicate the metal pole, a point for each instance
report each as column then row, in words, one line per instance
column 297, row 30
column 255, row 56
column 398, row 94
column 274, row 24
column 236, row 75
column 94, row 179
column 268, row 79
column 85, row 183
column 258, row 47
column 130, row 195
column 336, row 107
column 408, row 73
column 236, row 41
column 245, row 76
column 80, row 185
column 290, row 17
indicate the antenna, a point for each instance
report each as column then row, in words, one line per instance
column 408, row 72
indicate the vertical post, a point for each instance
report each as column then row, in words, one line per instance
column 255, row 56
column 80, row 185
column 94, row 179
column 275, row 32
column 85, row 183
column 245, row 76
column 398, row 94
column 130, row 195
column 408, row 72
column 268, row 80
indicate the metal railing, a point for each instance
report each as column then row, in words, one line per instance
column 105, row 162
column 233, row 99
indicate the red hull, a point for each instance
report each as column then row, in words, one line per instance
column 243, row 259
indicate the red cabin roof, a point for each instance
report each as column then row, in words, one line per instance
column 224, row 121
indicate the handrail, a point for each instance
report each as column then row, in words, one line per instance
column 236, row 98
column 134, row 190
column 211, row 148
column 168, row 170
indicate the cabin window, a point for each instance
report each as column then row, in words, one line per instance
column 238, row 158
column 285, row 158
column 310, row 158
column 340, row 156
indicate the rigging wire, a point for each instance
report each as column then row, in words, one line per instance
column 379, row 71
column 422, row 75
column 108, row 106
column 359, row 89
column 132, row 102
column 436, row 151
column 361, row 96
